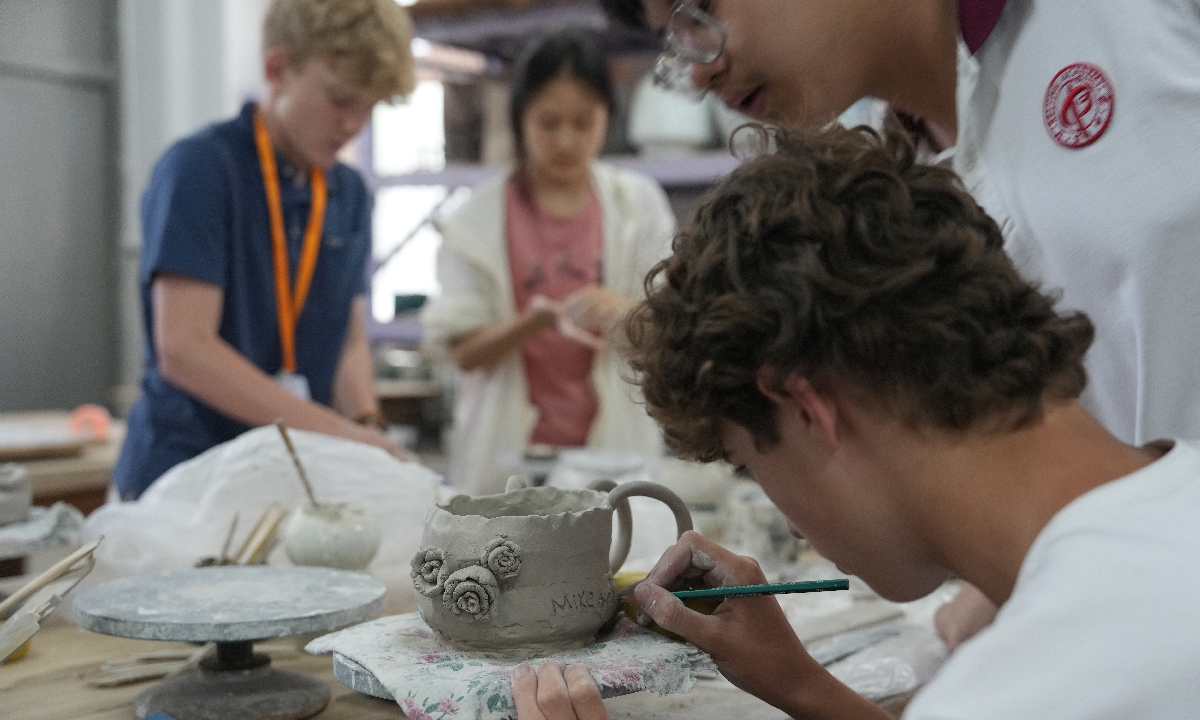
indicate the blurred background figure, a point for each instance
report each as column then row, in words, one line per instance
column 536, row 270
column 1067, row 140
column 256, row 242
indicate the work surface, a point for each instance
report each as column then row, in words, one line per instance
column 51, row 684
column 81, row 480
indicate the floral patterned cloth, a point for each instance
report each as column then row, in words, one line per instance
column 432, row 681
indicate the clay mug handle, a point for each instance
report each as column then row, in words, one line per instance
column 618, row 498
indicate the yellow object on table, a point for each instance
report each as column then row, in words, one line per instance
column 45, row 592
column 20, row 652
column 705, row 606
column 625, row 578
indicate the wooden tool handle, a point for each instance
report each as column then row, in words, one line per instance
column 258, row 542
column 287, row 440
column 62, row 567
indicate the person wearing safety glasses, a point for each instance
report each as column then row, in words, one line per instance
column 1069, row 121
column 255, row 248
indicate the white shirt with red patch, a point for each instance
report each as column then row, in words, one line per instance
column 1079, row 131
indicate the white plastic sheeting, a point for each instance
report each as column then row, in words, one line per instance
column 186, row 513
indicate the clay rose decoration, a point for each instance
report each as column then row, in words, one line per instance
column 503, row 558
column 429, row 571
column 471, row 590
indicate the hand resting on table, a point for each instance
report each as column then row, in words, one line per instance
column 749, row 638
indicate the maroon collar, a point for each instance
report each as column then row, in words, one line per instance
column 976, row 18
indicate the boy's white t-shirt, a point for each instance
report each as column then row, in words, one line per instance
column 1114, row 224
column 1104, row 620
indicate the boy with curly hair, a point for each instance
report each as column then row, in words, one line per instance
column 255, row 248
column 1063, row 115
column 844, row 324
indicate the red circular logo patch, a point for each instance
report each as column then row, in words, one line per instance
column 1078, row 105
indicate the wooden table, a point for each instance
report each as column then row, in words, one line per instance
column 81, row 480
column 51, row 682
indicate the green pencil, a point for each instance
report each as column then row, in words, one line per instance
column 768, row 589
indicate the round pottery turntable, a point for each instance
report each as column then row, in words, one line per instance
column 232, row 606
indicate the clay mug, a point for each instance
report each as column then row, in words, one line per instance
column 531, row 568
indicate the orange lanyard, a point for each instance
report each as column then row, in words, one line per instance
column 289, row 303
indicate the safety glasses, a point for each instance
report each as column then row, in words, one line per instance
column 692, row 36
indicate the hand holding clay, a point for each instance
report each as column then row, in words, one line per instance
column 595, row 309
column 749, row 638
column 556, row 692
column 543, row 312
column 958, row 620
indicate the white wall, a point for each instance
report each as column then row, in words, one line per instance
column 183, row 64
column 57, row 201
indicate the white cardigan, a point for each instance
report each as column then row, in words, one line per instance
column 493, row 414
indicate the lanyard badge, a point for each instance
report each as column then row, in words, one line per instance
column 289, row 300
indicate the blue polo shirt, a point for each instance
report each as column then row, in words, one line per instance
column 204, row 215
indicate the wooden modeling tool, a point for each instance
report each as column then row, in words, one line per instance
column 261, row 539
column 44, row 593
column 296, row 459
column 259, row 542
column 225, row 559
column 768, row 589
column 62, row 567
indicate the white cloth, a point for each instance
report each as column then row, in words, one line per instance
column 430, row 679
column 1114, row 225
column 1102, row 622
column 493, row 414
column 186, row 514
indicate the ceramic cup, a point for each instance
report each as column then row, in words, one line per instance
column 336, row 536
column 531, row 568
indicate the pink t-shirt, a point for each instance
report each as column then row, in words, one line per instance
column 555, row 257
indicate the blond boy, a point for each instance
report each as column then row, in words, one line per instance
column 255, row 245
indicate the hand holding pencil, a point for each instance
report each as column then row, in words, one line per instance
column 750, row 639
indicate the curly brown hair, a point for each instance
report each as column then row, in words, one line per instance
column 837, row 256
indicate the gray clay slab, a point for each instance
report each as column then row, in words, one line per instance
column 230, row 604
